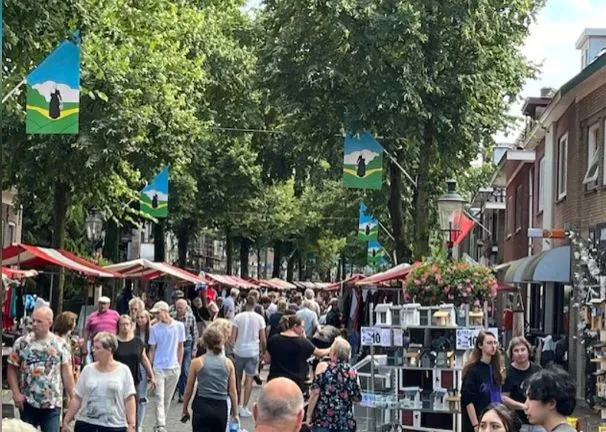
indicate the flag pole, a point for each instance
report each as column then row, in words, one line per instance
column 390, row 235
column 393, row 159
column 13, row 91
column 478, row 222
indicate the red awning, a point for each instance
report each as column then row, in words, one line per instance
column 337, row 285
column 9, row 273
column 399, row 272
column 23, row 255
column 145, row 269
column 230, row 281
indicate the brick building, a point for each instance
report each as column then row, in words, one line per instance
column 11, row 219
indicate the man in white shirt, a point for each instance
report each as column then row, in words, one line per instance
column 248, row 337
column 166, row 340
column 309, row 317
column 229, row 304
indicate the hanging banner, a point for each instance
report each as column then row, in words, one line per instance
column 368, row 226
column 53, row 93
column 154, row 196
column 376, row 254
column 362, row 162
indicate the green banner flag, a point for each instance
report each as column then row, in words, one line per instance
column 376, row 254
column 362, row 162
column 154, row 196
column 53, row 92
column 368, row 226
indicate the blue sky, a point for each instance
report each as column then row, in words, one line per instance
column 61, row 66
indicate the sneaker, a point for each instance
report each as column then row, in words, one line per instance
column 258, row 380
column 244, row 412
column 180, row 399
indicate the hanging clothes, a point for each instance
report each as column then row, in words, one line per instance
column 7, row 321
column 19, row 302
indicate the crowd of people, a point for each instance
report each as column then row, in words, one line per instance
column 207, row 355
column 520, row 398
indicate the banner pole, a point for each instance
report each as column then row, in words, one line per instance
column 390, row 235
column 478, row 222
column 13, row 91
column 393, row 159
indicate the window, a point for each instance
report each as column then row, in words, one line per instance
column 562, row 165
column 508, row 215
column 541, row 188
column 519, row 204
column 11, row 233
column 593, row 155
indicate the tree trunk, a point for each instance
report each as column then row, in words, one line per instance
column 183, row 238
column 229, row 251
column 159, row 241
column 397, row 214
column 111, row 246
column 277, row 259
column 421, row 244
column 244, row 256
column 60, row 204
column 343, row 267
column 290, row 268
column 302, row 267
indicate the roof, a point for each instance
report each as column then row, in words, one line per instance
column 145, row 269
column 589, row 70
column 587, row 33
column 37, row 256
column 531, row 104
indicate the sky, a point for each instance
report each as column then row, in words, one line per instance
column 551, row 43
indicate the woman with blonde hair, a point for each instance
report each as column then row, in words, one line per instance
column 482, row 379
column 334, row 391
column 518, row 372
column 224, row 327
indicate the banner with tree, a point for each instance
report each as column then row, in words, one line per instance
column 368, row 226
column 154, row 196
column 362, row 162
column 53, row 93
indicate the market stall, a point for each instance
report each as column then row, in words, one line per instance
column 148, row 270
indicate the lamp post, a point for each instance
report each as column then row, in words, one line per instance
column 449, row 205
column 94, row 229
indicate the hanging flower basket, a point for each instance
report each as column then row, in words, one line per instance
column 445, row 281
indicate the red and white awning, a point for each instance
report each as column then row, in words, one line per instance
column 14, row 274
column 398, row 273
column 145, row 269
column 23, row 255
column 336, row 286
column 230, row 281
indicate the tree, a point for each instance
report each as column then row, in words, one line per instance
column 434, row 76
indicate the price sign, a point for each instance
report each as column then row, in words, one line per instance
column 385, row 338
column 377, row 336
column 466, row 337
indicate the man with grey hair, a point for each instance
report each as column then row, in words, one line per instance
column 228, row 310
column 279, row 407
column 185, row 316
column 309, row 317
column 314, row 306
column 43, row 361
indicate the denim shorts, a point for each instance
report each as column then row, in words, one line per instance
column 248, row 365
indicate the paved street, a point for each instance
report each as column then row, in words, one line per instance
column 174, row 424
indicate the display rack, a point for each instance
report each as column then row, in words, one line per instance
column 597, row 311
column 414, row 385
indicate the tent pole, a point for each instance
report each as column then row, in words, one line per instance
column 50, row 299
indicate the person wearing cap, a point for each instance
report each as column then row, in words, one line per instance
column 166, row 339
column 103, row 319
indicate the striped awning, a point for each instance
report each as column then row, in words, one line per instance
column 398, row 273
column 145, row 269
column 335, row 286
column 23, row 255
column 14, row 274
column 552, row 265
column 230, row 281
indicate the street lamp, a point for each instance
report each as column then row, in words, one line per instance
column 449, row 205
column 94, row 228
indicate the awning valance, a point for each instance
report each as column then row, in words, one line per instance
column 23, row 255
column 9, row 273
column 552, row 265
column 145, row 269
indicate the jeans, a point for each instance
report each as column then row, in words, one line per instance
column 166, row 383
column 531, row 428
column 141, row 394
column 187, row 350
column 49, row 419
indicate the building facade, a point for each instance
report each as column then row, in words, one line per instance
column 12, row 218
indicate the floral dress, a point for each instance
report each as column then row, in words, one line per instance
column 339, row 389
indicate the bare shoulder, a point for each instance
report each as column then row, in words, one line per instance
column 321, row 368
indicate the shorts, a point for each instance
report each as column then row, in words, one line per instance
column 248, row 365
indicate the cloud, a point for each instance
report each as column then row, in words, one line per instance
column 551, row 44
column 161, row 195
column 67, row 94
column 352, row 158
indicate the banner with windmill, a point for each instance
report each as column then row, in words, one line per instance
column 362, row 162
column 154, row 196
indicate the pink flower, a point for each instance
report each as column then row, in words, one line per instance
column 417, row 282
column 438, row 278
column 464, row 294
column 435, row 268
column 476, row 303
column 450, row 296
column 468, row 281
column 468, row 289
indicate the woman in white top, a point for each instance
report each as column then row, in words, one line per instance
column 105, row 393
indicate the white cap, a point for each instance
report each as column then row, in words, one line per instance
column 104, row 299
column 161, row 305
